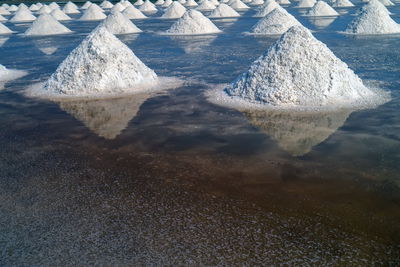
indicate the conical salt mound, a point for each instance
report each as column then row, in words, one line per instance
column 342, row 3
column 86, row 5
column 306, row 3
column 159, row 2
column 22, row 6
column 190, row 3
column 96, row 8
column 167, row 3
column 206, row 5
column 224, row 11
column 106, row 4
column 299, row 71
column 13, row 8
column 321, row 9
column 71, row 4
column 100, row 65
column 59, row 15
column 238, row 5
column 386, row 2
column 4, row 29
column 70, row 8
column 192, row 23
column 174, row 11
column 373, row 20
column 132, row 12
column 373, row 4
column 276, row 22
column 266, row 9
column 44, row 10
column 118, row 7
column 92, row 13
column 257, row 2
column 45, row 24
column 34, row 7
column 139, row 3
column 4, row 11
column 54, row 5
column 116, row 23
column 148, row 7
column 283, row 2
column 2, row 19
column 23, row 16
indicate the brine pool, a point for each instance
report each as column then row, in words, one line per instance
column 171, row 179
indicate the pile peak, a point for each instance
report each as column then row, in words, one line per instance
column 276, row 22
column 321, row 9
column 238, row 5
column 86, row 5
column 132, row 12
column 266, row 8
column 106, row 4
column 4, row 11
column 342, row 3
column 191, row 3
column 100, row 65
column 59, row 15
column 148, row 7
column 206, row 5
column 306, row 3
column 23, row 15
column 44, row 9
column 46, row 24
column 93, row 13
column 70, row 8
column 116, row 23
column 224, row 11
column 174, row 11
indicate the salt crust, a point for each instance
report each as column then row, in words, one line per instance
column 298, row 73
column 206, row 5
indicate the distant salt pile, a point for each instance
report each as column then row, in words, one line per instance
column 206, row 5
column 118, row 7
column 133, row 13
column 45, row 24
column 22, row 6
column 6, row 6
column 2, row 19
column 321, row 9
column 167, row 3
column 13, row 8
column 4, row 29
column 126, row 3
column 92, row 13
column 116, row 23
column 106, row 5
column 59, row 15
column 182, row 2
column 4, row 11
column 45, row 9
column 70, row 8
column 71, row 4
column 238, row 5
column 283, row 2
column 174, row 11
column 373, row 4
column 148, row 7
column 342, row 3
column 96, row 8
column 278, row 21
column 306, row 3
column 159, row 2
column 300, row 72
column 257, row 2
column 266, row 8
column 139, row 3
column 34, row 7
column 386, row 2
column 224, row 11
column 373, row 20
column 9, row 74
column 190, row 3
column 193, row 23
column 54, row 5
column 101, row 65
column 86, row 5
column 23, row 15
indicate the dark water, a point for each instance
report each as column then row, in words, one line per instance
column 171, row 179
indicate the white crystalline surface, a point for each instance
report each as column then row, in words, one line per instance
column 206, row 5
column 174, row 11
column 45, row 24
column 118, row 7
column 276, row 22
column 59, row 15
column 266, row 8
column 238, row 5
column 342, row 3
column 306, row 3
column 132, row 12
column 106, row 4
column 192, row 23
column 139, row 3
column 100, row 65
column 300, row 72
column 386, row 2
column 45, row 9
column 92, row 13
column 224, row 11
column 190, row 3
column 283, row 2
column 373, row 20
column 321, row 9
column 4, row 11
column 159, row 2
column 4, row 29
column 22, row 16
column 9, row 74
column 86, row 5
column 116, row 23
column 148, row 7
column 2, row 18
column 70, row 8
column 257, row 2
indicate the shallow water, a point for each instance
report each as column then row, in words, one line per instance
column 171, row 179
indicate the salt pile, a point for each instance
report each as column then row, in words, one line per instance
column 34, row 7
column 321, row 9
column 283, row 2
column 4, row 29
column 4, row 11
column 306, row 3
column 13, row 8
column 139, row 3
column 159, row 2
column 116, row 23
column 300, row 72
column 59, row 15
column 92, row 13
column 2, row 18
column 126, row 3
column 373, row 4
column 70, row 8
column 44, row 10
column 22, row 6
column 257, row 2
column 106, row 4
column 23, row 15
column 86, row 5
column 266, row 8
column 118, row 7
column 373, row 20
column 191, row 3
column 6, row 6
column 133, row 13
column 342, row 3
column 224, row 11
column 45, row 24
column 192, row 23
column 174, row 11
column 167, row 3
column 54, row 5
column 386, row 2
column 100, row 65
column 276, row 22
column 148, row 7
column 205, row 5
column 96, row 8
column 71, row 4
column 182, row 2
column 238, row 5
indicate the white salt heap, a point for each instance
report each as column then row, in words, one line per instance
column 22, row 6
column 224, row 11
column 148, row 7
column 257, row 2
column 4, row 29
column 133, row 13
column 34, row 7
column 159, row 2
column 206, row 5
column 300, row 72
column 13, row 8
column 116, row 23
column 96, row 8
column 45, row 24
column 5, row 6
column 2, row 19
column 191, row 3
column 53, row 5
column 86, row 5
column 139, row 3
column 276, row 22
column 118, row 7
column 342, row 3
column 4, row 11
column 306, row 3
column 70, row 8
column 23, row 15
column 283, row 2
column 321, row 9
column 174, row 11
column 193, row 22
column 59, row 15
column 106, row 4
column 101, row 65
column 167, row 3
column 92, row 13
column 373, row 4
column 266, row 8
column 44, row 10
column 373, row 20
column 71, row 4
column 238, row 5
